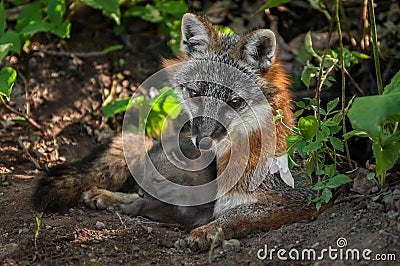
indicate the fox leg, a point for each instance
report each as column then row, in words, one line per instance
column 101, row 199
column 248, row 217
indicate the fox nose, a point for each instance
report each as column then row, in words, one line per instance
column 204, row 143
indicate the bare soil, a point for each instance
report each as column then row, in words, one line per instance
column 64, row 94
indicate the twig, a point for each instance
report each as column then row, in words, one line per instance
column 375, row 46
column 122, row 222
column 25, row 150
column 321, row 80
column 342, row 69
column 74, row 54
column 30, row 120
column 26, row 87
column 358, row 88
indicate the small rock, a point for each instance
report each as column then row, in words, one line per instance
column 3, row 178
column 362, row 205
column 392, row 215
column 99, row 225
column 375, row 206
column 135, row 249
column 180, row 243
column 7, row 249
column 84, row 246
column 149, row 229
column 315, row 245
column 362, row 184
column 5, row 184
column 382, row 232
column 164, row 243
column 230, row 244
column 333, row 215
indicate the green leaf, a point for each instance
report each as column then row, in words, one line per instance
column 326, row 195
column 384, row 106
column 300, row 149
column 109, row 8
column 300, row 104
column 310, row 165
column 12, row 37
column 112, row 48
column 4, row 48
column 314, row 146
column 335, row 129
column 308, row 126
column 308, row 44
column 306, row 76
column 148, row 13
column 319, row 185
column 35, row 27
column 330, row 170
column 2, row 18
column 21, row 121
column 273, row 3
column 336, row 143
column 63, row 30
column 31, row 13
column 337, row 181
column 355, row 132
column 332, row 104
column 120, row 105
column 55, row 11
column 7, row 79
column 385, row 156
column 177, row 8
column 394, row 85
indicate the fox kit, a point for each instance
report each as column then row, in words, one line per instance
column 229, row 85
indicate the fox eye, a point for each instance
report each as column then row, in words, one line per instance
column 193, row 93
column 235, row 102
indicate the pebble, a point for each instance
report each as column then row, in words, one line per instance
column 7, row 249
column 99, row 225
column 164, row 243
column 315, row 245
column 392, row 215
column 135, row 249
column 180, row 243
column 230, row 244
column 375, row 206
column 5, row 184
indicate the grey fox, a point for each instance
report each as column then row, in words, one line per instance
column 227, row 110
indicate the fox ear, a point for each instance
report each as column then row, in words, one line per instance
column 258, row 48
column 198, row 35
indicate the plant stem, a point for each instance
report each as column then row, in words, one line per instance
column 30, row 120
column 343, row 82
column 375, row 46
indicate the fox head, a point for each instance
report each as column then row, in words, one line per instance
column 220, row 80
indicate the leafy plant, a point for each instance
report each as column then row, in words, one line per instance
column 153, row 113
column 315, row 143
column 31, row 20
column 167, row 14
column 381, row 125
column 38, row 228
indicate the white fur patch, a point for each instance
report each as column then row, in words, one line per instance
column 228, row 201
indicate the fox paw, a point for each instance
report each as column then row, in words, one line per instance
column 99, row 199
column 202, row 237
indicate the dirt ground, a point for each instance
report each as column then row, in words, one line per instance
column 64, row 95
